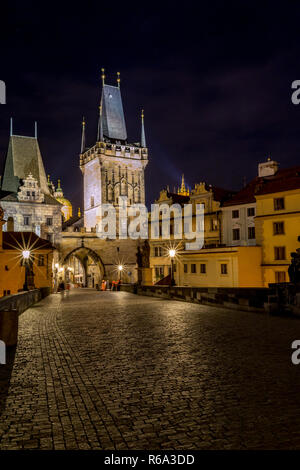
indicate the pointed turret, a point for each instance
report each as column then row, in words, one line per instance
column 35, row 130
column 11, row 126
column 100, row 127
column 118, row 79
column 143, row 137
column 83, row 136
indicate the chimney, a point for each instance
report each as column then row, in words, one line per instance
column 268, row 168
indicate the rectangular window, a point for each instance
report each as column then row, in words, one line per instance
column 278, row 228
column 279, row 252
column 236, row 234
column 185, row 268
column 280, row 276
column 224, row 268
column 251, row 233
column 158, row 251
column 92, row 201
column 202, row 268
column 213, row 225
column 49, row 237
column 41, row 260
column 278, row 203
column 49, row 221
column 193, row 268
column 251, row 212
column 235, row 214
column 26, row 220
column 159, row 272
column 186, row 227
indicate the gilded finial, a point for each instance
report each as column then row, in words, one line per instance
column 83, row 121
column 143, row 115
column 79, row 212
column 58, row 184
column 103, row 76
column 48, row 179
column 118, row 79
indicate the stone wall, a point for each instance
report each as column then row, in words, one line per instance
column 22, row 300
column 248, row 299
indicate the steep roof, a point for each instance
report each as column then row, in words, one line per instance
column 284, row 180
column 15, row 240
column 221, row 194
column 113, row 121
column 75, row 220
column 23, row 157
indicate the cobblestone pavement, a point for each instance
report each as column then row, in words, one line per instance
column 110, row 370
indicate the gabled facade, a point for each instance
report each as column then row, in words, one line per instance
column 25, row 195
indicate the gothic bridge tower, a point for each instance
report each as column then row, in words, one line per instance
column 112, row 167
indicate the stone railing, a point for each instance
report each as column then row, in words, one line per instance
column 249, row 299
column 23, row 300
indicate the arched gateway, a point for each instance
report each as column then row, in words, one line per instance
column 87, row 259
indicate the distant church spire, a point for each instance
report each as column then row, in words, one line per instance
column 35, row 129
column 118, row 79
column 83, row 136
column 11, row 126
column 103, row 76
column 143, row 138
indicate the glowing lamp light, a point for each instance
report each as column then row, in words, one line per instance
column 57, row 265
column 120, row 267
column 172, row 253
column 26, row 254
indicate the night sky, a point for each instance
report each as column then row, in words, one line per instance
column 214, row 80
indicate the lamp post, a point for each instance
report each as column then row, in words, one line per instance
column 26, row 256
column 172, row 254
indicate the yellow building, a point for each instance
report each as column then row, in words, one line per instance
column 220, row 267
column 12, row 268
column 277, row 221
column 211, row 197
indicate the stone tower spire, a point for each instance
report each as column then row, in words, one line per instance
column 100, row 127
column 83, row 136
column 143, row 138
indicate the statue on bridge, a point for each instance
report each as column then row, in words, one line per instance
column 294, row 268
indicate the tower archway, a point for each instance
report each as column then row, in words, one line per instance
column 84, row 267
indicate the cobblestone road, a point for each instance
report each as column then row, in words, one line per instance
column 110, row 370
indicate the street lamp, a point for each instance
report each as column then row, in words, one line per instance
column 120, row 268
column 172, row 254
column 26, row 256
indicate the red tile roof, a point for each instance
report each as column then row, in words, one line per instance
column 284, row 180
